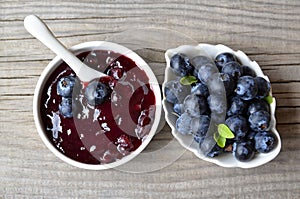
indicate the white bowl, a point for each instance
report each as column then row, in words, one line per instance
column 89, row 46
column 224, row 160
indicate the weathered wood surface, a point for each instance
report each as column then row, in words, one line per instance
column 268, row 31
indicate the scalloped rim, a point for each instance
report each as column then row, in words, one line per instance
column 225, row 160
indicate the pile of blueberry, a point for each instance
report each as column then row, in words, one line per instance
column 221, row 91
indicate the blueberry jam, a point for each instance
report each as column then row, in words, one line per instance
column 105, row 131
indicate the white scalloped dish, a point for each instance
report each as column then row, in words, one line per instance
column 226, row 159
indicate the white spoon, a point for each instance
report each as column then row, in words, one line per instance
column 37, row 28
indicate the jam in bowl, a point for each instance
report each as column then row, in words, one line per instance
column 103, row 123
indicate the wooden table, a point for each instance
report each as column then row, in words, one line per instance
column 268, row 31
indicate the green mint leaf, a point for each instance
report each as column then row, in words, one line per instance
column 216, row 137
column 188, row 80
column 220, row 140
column 269, row 99
column 224, row 131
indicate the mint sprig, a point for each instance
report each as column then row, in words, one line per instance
column 221, row 141
column 223, row 133
column 269, row 99
column 188, row 80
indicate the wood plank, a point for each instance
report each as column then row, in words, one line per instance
column 282, row 8
column 194, row 175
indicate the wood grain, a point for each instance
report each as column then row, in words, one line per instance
column 268, row 31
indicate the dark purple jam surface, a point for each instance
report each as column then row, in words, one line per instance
column 107, row 132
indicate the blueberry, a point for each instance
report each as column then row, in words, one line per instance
column 215, row 151
column 223, row 58
column 206, row 71
column 170, row 96
column 199, row 61
column 217, row 103
column 201, row 125
column 186, row 124
column 238, row 125
column 191, row 105
column 195, row 105
column 257, row 105
column 243, row 150
column 65, row 107
column 200, row 89
column 183, row 124
column 263, row 87
column 246, row 87
column 265, row 141
column 247, row 71
column 237, row 106
column 65, row 86
column 251, row 135
column 96, row 92
column 175, row 92
column 228, row 83
column 259, row 120
column 180, row 64
column 203, row 106
column 209, row 147
column 233, row 69
column 198, row 139
column 178, row 108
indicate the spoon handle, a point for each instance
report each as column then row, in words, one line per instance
column 37, row 28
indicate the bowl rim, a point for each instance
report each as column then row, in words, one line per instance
column 207, row 49
column 88, row 46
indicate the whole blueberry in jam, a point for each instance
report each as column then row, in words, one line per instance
column 65, row 107
column 96, row 92
column 65, row 86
